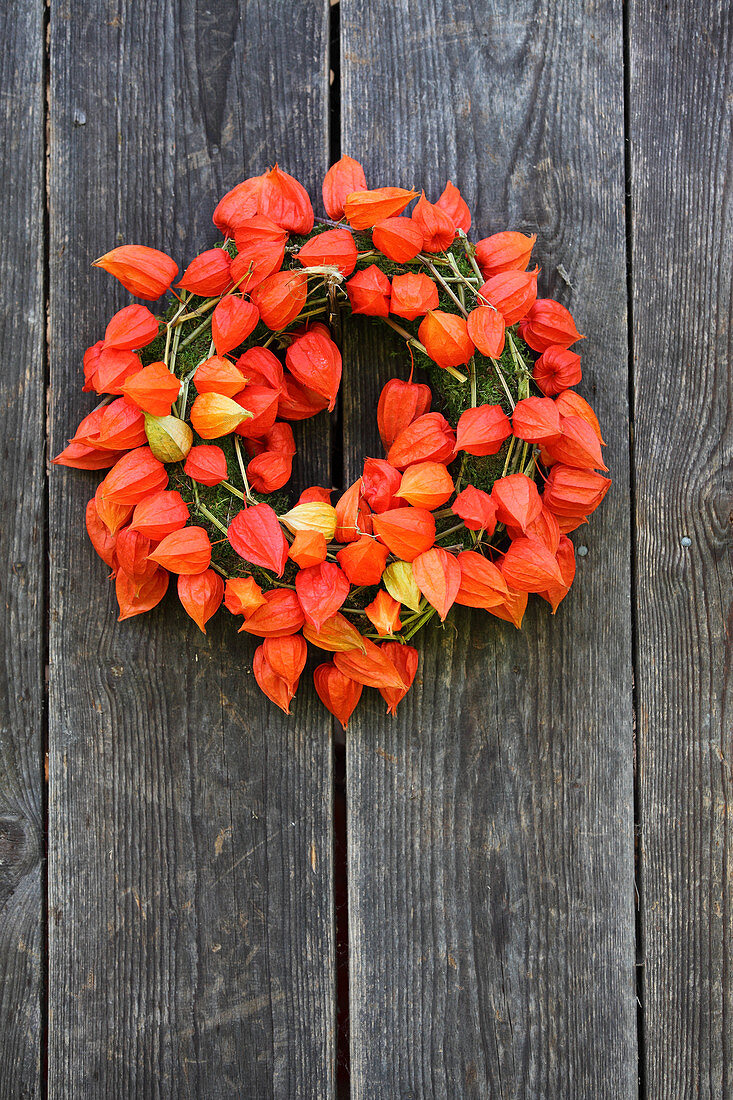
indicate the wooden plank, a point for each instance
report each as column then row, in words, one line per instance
column 681, row 92
column 491, row 824
column 191, row 941
column 22, row 548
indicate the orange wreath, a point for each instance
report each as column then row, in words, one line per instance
column 489, row 463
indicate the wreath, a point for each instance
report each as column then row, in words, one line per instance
column 490, row 461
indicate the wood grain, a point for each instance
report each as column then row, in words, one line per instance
column 22, row 548
column 682, row 178
column 491, row 825
column 190, row 888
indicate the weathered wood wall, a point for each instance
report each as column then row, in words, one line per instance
column 492, row 895
column 184, row 943
column 190, row 894
column 682, row 178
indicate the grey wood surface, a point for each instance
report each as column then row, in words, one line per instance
column 184, row 943
column 190, row 892
column 681, row 91
column 490, row 826
column 22, row 549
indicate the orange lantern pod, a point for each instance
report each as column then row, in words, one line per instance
column 570, row 403
column 242, row 596
column 261, row 367
column 548, row 324
column 507, row 251
column 528, row 566
column 337, row 635
column 400, row 403
column 278, row 690
column 379, row 484
column 334, row 248
column 445, row 338
column 512, row 609
column 201, row 595
column 114, row 367
column 476, row 509
column 279, row 615
column 99, row 534
column 213, row 415
column 566, row 563
column 353, row 518
column 269, row 471
column 160, row 514
column 90, row 426
column 571, row 492
column 237, row 206
column 81, row 456
column 483, row 430
column 341, row 180
column 184, row 551
column 517, row 501
column 122, row 427
column 91, row 364
column 285, row 201
column 286, row 656
column 536, row 420
column 262, row 403
column 321, row 590
column 436, row 226
column 280, row 440
column 338, row 693
column 407, row 532
column 132, row 550
column 413, row 295
column 130, row 328
column 513, row 293
column 308, row 548
column 384, row 613
column 405, row 660
column 113, row 516
column 281, row 297
column 578, row 445
column 399, row 239
column 372, row 667
column 135, row 476
column 363, row 561
column 206, row 464
column 232, row 322
column 426, row 485
column 454, row 205
column 315, row 362
column 482, row 584
column 429, row 438
column 153, row 389
column 135, row 598
column 556, row 370
column 364, row 209
column 369, row 292
column 145, row 272
column 315, row 494
column 545, row 528
column 298, row 403
column 209, row 274
column 438, row 576
column 487, row 329
column 256, row 535
column 260, row 252
column 219, row 375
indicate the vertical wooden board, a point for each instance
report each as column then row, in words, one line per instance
column 681, row 90
column 491, row 824
column 22, row 547
column 191, row 942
